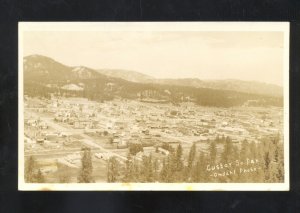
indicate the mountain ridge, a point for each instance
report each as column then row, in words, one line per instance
column 138, row 77
column 51, row 76
column 228, row 84
column 127, row 75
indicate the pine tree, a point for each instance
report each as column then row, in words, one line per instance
column 213, row 152
column 155, row 170
column 189, row 169
column 260, row 178
column 235, row 156
column 128, row 176
column 147, row 170
column 85, row 174
column 40, row 177
column 280, row 172
column 280, row 163
column 252, row 150
column 195, row 173
column 273, row 172
column 174, row 166
column 253, row 155
column 267, row 162
column 226, row 156
column 200, row 174
column 192, row 155
column 278, row 160
column 179, row 163
column 164, row 172
column 112, row 170
column 244, row 152
column 30, row 170
column 137, row 171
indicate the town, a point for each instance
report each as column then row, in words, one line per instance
column 56, row 129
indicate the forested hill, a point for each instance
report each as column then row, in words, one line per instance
column 228, row 84
column 43, row 75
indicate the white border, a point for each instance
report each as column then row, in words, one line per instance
column 155, row 26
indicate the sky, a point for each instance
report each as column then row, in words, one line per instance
column 250, row 56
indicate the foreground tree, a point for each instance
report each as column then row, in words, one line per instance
column 40, row 177
column 199, row 173
column 113, row 170
column 227, row 151
column 32, row 173
column 178, row 158
column 147, row 174
column 128, row 172
column 30, row 170
column 192, row 155
column 85, row 174
column 213, row 152
column 164, row 172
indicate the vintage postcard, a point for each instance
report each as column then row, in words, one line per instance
column 154, row 106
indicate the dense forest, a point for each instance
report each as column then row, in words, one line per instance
column 175, row 94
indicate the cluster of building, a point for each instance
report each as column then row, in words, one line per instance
column 131, row 121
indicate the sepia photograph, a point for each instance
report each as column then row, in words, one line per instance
column 153, row 106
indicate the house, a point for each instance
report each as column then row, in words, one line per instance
column 43, row 125
column 40, row 140
column 82, row 123
column 163, row 151
column 52, row 137
column 31, row 122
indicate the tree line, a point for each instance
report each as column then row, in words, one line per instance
column 266, row 158
column 178, row 166
column 96, row 90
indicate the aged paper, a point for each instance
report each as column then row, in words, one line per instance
column 154, row 106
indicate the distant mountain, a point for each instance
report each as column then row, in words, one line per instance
column 230, row 84
column 127, row 75
column 42, row 68
column 44, row 76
